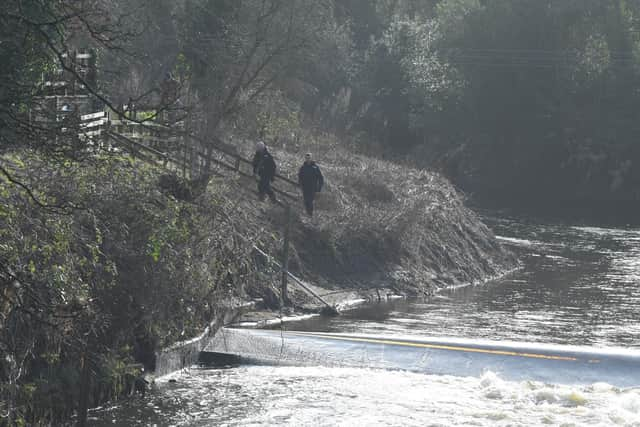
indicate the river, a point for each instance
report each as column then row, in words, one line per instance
column 577, row 285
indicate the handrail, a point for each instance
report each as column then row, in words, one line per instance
column 181, row 162
column 217, row 145
column 298, row 281
column 331, row 309
column 236, row 156
column 161, row 154
column 233, row 168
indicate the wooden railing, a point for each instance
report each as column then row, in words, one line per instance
column 233, row 162
column 153, row 141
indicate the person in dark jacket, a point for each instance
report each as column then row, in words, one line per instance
column 265, row 168
column 311, row 180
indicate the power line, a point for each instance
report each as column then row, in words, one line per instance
column 526, row 50
column 534, row 65
column 533, row 58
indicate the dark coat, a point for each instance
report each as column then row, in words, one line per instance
column 310, row 178
column 264, row 165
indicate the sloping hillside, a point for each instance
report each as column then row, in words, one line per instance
column 377, row 225
column 113, row 259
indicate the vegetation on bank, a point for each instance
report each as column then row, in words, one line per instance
column 382, row 224
column 100, row 268
column 520, row 103
column 108, row 261
column 523, row 104
column 105, row 258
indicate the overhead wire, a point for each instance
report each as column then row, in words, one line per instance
column 534, row 58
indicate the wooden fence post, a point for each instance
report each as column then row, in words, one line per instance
column 285, row 255
column 83, row 404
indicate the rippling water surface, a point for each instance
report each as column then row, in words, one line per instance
column 298, row 396
column 578, row 285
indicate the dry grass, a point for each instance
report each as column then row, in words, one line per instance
column 378, row 223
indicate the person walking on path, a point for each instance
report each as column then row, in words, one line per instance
column 265, row 168
column 311, row 180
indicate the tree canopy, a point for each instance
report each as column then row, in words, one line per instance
column 518, row 101
column 522, row 103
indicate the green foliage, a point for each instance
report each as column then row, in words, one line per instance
column 493, row 92
column 182, row 68
column 130, row 270
column 146, row 114
column 452, row 16
column 99, row 267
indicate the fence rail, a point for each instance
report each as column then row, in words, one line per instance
column 168, row 145
column 150, row 141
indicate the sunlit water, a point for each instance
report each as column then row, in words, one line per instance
column 577, row 286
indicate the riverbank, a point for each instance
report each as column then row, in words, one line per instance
column 258, row 316
column 379, row 229
column 135, row 259
column 581, row 293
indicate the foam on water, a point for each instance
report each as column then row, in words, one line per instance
column 266, row 395
column 578, row 285
column 520, row 242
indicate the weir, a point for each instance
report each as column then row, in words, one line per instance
column 549, row 363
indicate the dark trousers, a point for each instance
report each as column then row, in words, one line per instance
column 308, row 196
column 264, row 187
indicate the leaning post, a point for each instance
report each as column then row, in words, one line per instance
column 285, row 254
column 83, row 403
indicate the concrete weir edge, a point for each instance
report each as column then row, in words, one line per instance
column 184, row 354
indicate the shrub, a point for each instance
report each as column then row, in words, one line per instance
column 114, row 271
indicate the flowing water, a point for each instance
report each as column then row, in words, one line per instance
column 577, row 285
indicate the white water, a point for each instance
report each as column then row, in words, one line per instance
column 317, row 396
column 579, row 285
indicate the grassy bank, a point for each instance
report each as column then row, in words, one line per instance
column 379, row 224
